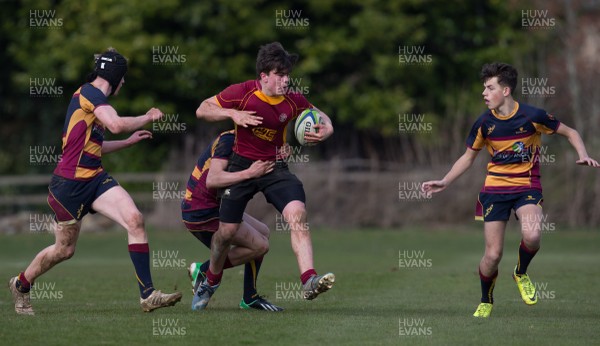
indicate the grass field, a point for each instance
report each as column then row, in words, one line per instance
column 403, row 287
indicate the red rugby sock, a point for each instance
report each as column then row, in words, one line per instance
column 213, row 279
column 306, row 275
column 22, row 284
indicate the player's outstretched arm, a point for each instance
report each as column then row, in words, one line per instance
column 117, row 124
column 210, row 110
column 218, row 177
column 460, row 166
column 137, row 136
column 323, row 130
column 577, row 143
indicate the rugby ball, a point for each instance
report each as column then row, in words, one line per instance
column 305, row 123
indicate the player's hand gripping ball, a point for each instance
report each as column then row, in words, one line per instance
column 305, row 123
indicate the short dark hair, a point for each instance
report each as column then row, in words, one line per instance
column 273, row 56
column 507, row 74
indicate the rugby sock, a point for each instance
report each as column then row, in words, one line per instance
column 525, row 257
column 140, row 256
column 213, row 279
column 22, row 284
column 307, row 275
column 487, row 287
column 250, row 275
column 205, row 265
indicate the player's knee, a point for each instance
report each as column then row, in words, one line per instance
column 532, row 239
column 135, row 222
column 493, row 256
column 227, row 230
column 295, row 213
column 64, row 253
column 262, row 248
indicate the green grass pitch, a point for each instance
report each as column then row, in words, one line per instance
column 402, row 287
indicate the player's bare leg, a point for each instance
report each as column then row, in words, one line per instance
column 219, row 250
column 257, row 238
column 488, row 266
column 248, row 242
column 63, row 248
column 257, row 226
column 221, row 242
column 530, row 216
column 294, row 214
column 494, row 244
column 117, row 205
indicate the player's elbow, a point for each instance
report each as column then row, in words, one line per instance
column 202, row 111
column 572, row 134
column 469, row 159
column 212, row 183
column 199, row 112
column 469, row 162
column 115, row 126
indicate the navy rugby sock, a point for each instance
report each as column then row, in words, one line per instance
column 204, row 267
column 250, row 276
column 487, row 287
column 140, row 256
column 525, row 257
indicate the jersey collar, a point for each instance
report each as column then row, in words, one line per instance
column 508, row 116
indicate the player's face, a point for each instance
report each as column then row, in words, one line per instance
column 120, row 85
column 275, row 83
column 493, row 93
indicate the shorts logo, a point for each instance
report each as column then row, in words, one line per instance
column 491, row 129
column 264, row 133
column 227, row 192
column 79, row 211
column 107, row 180
column 530, row 198
column 283, row 117
column 488, row 211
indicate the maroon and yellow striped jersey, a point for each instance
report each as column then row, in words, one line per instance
column 83, row 135
column 197, row 195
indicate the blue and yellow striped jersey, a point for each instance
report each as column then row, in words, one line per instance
column 513, row 142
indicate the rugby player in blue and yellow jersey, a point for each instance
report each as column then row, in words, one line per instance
column 80, row 184
column 200, row 214
column 511, row 133
column 261, row 109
